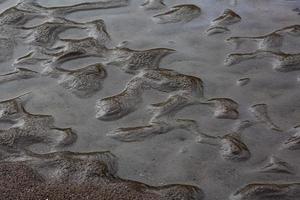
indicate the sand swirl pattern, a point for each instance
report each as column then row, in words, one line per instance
column 178, row 13
column 221, row 23
column 129, row 100
column 91, row 169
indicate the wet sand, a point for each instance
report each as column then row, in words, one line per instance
column 124, row 99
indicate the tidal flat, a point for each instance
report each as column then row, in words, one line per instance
column 149, row 99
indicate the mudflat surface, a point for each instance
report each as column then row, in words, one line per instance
column 133, row 100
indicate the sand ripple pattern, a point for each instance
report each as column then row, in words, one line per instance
column 60, row 174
